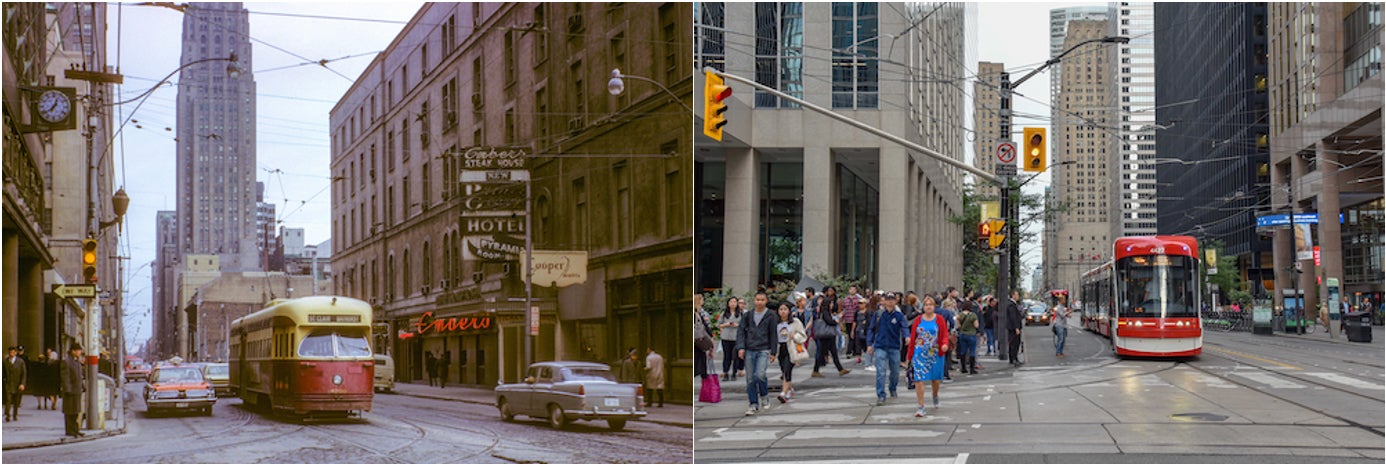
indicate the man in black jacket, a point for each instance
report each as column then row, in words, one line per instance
column 16, row 376
column 754, row 343
column 72, row 387
column 1015, row 322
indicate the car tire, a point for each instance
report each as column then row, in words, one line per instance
column 505, row 412
column 556, row 418
column 207, row 411
column 616, row 424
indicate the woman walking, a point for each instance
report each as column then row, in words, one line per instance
column 789, row 329
column 929, row 344
column 729, row 321
column 825, row 333
column 430, row 367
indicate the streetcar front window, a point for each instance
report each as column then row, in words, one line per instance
column 1157, row 286
column 327, row 344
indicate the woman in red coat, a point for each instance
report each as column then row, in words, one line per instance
column 928, row 345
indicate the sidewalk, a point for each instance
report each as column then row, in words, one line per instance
column 1378, row 337
column 680, row 415
column 37, row 427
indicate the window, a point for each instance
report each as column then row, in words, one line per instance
column 408, row 287
column 579, row 212
column 779, row 51
column 423, row 58
column 450, row 105
column 855, row 66
column 510, row 126
column 404, row 137
column 621, row 175
column 509, row 58
column 449, row 34
column 478, row 98
column 669, row 40
column 711, row 40
column 541, row 40
column 579, row 96
column 424, row 131
column 390, row 147
column 427, row 199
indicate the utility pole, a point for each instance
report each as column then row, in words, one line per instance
column 1003, row 270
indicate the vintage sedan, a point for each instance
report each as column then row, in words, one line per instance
column 179, row 388
column 564, row 391
column 136, row 370
column 219, row 375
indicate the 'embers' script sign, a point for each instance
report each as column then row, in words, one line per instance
column 427, row 323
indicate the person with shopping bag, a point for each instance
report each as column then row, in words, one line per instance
column 789, row 329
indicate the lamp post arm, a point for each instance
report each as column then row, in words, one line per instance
column 1056, row 59
column 170, row 76
column 661, row 87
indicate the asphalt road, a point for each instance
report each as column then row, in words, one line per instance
column 1280, row 399
column 399, row 429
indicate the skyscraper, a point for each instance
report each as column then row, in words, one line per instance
column 216, row 201
column 991, row 121
column 1135, row 92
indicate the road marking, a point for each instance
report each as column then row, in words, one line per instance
column 860, row 433
column 1213, row 381
column 986, row 398
column 742, row 435
column 1258, row 358
column 1345, row 380
column 1269, row 380
column 960, row 459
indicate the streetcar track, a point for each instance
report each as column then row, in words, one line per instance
column 1270, row 392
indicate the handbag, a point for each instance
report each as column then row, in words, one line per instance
column 821, row 329
column 711, row 391
column 798, row 353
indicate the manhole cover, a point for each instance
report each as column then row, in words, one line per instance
column 1199, row 416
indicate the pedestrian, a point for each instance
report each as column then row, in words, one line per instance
column 1059, row 324
column 865, row 315
column 654, row 377
column 810, row 310
column 430, row 367
column 630, row 368
column 968, row 325
column 989, row 315
column 729, row 322
column 72, row 387
column 888, row 328
column 928, row 344
column 850, row 306
column 16, row 374
column 801, row 309
column 949, row 314
column 48, row 383
column 1015, row 322
column 443, row 363
column 788, row 330
column 825, row 332
column 702, row 339
column 753, row 344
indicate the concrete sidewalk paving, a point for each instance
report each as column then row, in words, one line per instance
column 44, row 427
column 679, row 415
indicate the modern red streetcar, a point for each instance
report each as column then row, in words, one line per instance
column 306, row 356
column 1146, row 298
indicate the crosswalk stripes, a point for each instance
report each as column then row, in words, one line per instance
column 959, row 459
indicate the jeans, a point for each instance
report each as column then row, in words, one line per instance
column 991, row 338
column 967, row 346
column 1060, row 335
column 756, row 384
column 887, row 363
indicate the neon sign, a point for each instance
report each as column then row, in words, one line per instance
column 427, row 323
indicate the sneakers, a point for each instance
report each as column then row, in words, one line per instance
column 880, row 401
column 919, row 412
column 870, row 368
column 816, row 375
column 752, row 411
column 781, row 398
column 844, row 372
column 764, row 402
column 935, row 401
column 858, row 359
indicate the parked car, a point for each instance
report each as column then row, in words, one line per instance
column 1037, row 314
column 179, row 388
column 136, row 370
column 219, row 375
column 564, row 391
column 384, row 373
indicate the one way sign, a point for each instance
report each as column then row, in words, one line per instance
column 75, row 290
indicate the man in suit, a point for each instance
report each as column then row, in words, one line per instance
column 1015, row 322
column 72, row 387
column 16, row 375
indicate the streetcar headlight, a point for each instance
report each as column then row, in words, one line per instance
column 337, row 379
column 1139, row 324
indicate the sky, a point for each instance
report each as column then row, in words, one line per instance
column 294, row 97
column 292, row 105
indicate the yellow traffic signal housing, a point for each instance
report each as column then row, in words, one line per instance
column 89, row 260
column 715, row 95
column 1035, row 155
column 998, row 233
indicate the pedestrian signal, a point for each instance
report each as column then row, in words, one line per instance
column 715, row 95
column 984, row 231
column 1035, row 156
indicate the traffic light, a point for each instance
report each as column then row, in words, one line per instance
column 89, row 260
column 715, row 95
column 998, row 232
column 1035, row 159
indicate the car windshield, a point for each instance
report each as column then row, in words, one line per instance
column 588, row 373
column 1036, row 309
column 177, row 374
column 219, row 370
column 335, row 343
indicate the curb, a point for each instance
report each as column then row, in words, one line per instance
column 1336, row 341
column 65, row 440
column 488, row 403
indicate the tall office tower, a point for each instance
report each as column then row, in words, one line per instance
column 1085, row 189
column 991, row 121
column 1135, row 91
column 165, row 288
column 1214, row 54
column 1325, row 147
column 1058, row 32
column 216, row 138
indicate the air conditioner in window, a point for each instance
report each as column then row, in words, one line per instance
column 443, row 284
column 575, row 124
column 574, row 23
column 424, row 289
column 478, row 276
column 477, row 101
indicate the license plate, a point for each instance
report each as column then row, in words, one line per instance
column 180, row 405
column 613, row 402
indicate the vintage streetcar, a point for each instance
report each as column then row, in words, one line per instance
column 307, row 357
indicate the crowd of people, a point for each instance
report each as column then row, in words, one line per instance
column 923, row 335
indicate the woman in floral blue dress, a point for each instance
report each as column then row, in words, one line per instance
column 928, row 343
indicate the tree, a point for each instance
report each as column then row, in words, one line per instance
column 979, row 272
column 1228, row 277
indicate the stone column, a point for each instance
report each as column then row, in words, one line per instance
column 1330, row 237
column 31, row 307
column 1283, row 252
column 1298, row 168
column 10, row 278
column 891, row 252
column 741, row 233
column 820, row 211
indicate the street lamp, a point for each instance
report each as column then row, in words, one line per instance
column 617, row 85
